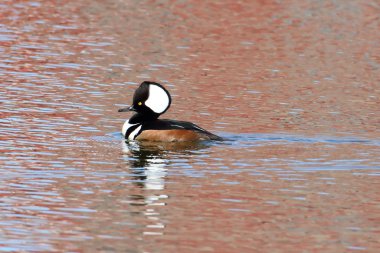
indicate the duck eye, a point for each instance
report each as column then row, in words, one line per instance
column 139, row 103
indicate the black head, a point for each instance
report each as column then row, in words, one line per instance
column 150, row 98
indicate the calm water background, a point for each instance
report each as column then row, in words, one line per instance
column 293, row 85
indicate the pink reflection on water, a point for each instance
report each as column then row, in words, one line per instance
column 294, row 68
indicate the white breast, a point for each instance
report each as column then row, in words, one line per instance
column 133, row 135
column 127, row 126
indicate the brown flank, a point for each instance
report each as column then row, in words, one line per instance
column 171, row 135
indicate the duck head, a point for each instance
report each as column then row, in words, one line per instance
column 150, row 99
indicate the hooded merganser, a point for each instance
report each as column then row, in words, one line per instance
column 149, row 102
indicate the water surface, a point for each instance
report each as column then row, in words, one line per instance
column 293, row 87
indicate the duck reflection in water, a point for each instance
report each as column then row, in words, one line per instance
column 148, row 163
column 148, row 160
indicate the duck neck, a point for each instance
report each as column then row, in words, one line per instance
column 140, row 118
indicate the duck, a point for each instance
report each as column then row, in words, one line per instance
column 150, row 101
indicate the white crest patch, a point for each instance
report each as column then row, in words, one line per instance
column 128, row 125
column 158, row 99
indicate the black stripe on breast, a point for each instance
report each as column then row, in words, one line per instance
column 130, row 130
